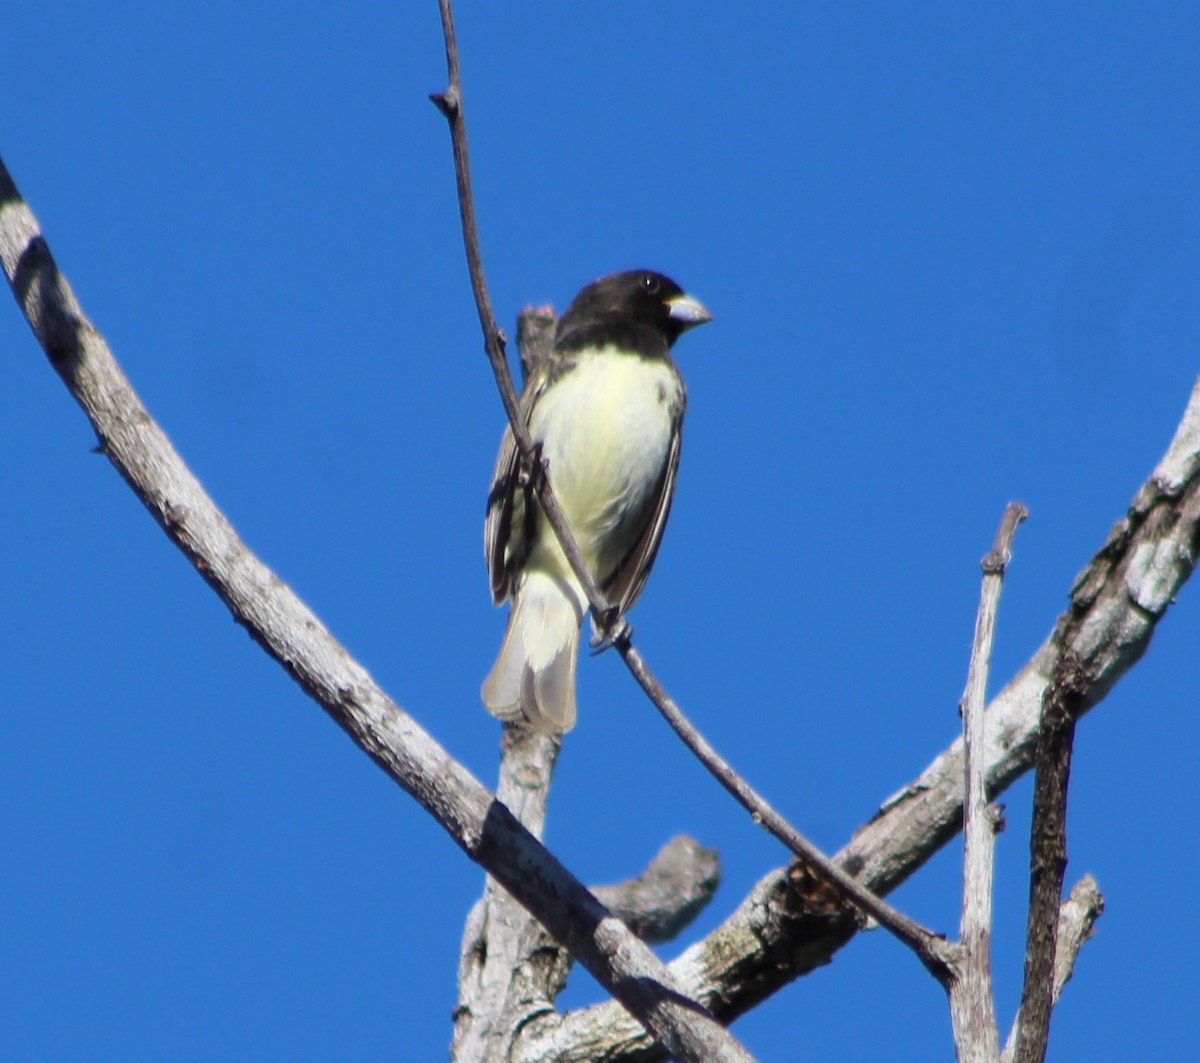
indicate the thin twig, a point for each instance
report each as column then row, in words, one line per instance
column 617, row 631
column 972, row 1003
column 929, row 947
column 450, row 104
column 1076, row 924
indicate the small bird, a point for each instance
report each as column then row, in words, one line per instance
column 606, row 408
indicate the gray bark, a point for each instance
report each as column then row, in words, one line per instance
column 294, row 637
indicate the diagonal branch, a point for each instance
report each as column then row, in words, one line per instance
column 293, row 636
column 614, row 629
column 772, row 938
column 451, row 106
column 930, row 948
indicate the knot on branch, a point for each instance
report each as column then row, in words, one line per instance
column 1063, row 696
column 996, row 560
column 807, row 920
column 446, row 102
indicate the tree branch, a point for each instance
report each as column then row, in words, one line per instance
column 507, row 958
column 506, row 996
column 1048, row 859
column 797, row 906
column 928, row 946
column 1116, row 603
column 1076, row 923
column 664, row 899
column 972, row 1004
column 293, row 636
column 451, row 105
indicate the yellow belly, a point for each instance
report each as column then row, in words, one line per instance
column 605, row 429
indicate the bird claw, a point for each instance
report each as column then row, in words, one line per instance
column 532, row 470
column 612, row 630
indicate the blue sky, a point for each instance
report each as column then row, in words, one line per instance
column 953, row 253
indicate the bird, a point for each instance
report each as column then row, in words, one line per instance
column 605, row 411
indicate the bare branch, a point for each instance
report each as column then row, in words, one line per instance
column 508, row 960
column 1076, row 924
column 1048, row 858
column 1116, row 603
column 929, row 947
column 972, row 1004
column 291, row 634
column 979, row 827
column 674, row 889
column 786, row 913
column 451, row 105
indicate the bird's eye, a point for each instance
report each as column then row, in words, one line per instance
column 649, row 284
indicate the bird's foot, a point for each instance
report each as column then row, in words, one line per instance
column 532, row 470
column 612, row 630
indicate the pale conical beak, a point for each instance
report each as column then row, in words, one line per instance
column 687, row 311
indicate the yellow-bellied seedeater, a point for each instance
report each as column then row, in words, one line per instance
column 607, row 410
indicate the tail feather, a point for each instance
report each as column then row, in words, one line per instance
column 534, row 673
column 502, row 689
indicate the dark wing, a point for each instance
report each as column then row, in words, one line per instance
column 629, row 579
column 505, row 529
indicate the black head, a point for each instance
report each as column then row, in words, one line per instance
column 638, row 310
